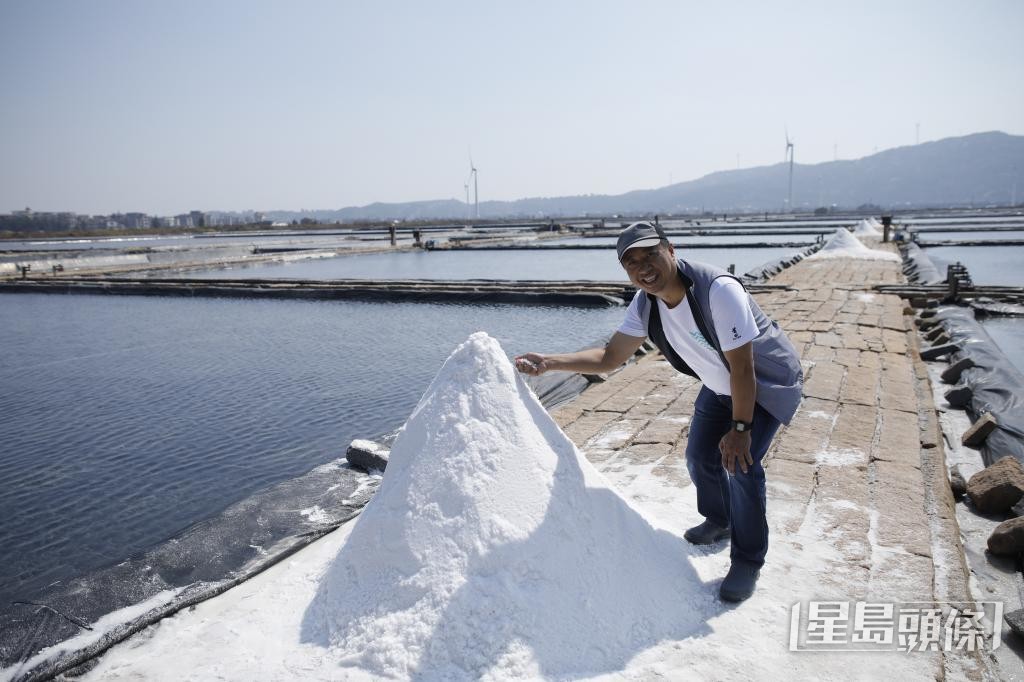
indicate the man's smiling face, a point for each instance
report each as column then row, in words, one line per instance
column 651, row 268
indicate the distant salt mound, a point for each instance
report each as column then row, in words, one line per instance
column 844, row 245
column 867, row 228
column 494, row 550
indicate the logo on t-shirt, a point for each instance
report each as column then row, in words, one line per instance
column 735, row 334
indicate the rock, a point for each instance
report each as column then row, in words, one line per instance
column 957, row 482
column 935, row 352
column 995, row 489
column 976, row 435
column 367, row 455
column 951, row 374
column 1015, row 619
column 959, row 396
column 1018, row 509
column 1008, row 538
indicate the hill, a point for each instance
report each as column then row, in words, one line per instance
column 979, row 169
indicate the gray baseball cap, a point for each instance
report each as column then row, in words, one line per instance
column 639, row 235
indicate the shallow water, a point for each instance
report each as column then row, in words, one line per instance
column 124, row 420
column 996, row 265
column 583, row 264
column 961, row 235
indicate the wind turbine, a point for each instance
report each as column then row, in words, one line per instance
column 789, row 157
column 469, row 211
column 476, row 192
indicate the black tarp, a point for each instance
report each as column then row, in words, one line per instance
column 918, row 267
column 996, row 385
column 202, row 561
column 766, row 271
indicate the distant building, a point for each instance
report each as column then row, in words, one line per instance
column 137, row 221
column 198, row 218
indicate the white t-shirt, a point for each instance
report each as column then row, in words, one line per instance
column 734, row 324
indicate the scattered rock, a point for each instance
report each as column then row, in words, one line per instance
column 367, row 455
column 996, row 488
column 1015, row 619
column 959, row 396
column 936, row 352
column 979, row 431
column 957, row 482
column 1008, row 538
column 951, row 374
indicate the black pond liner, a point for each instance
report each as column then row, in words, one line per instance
column 766, row 271
column 995, row 384
column 918, row 267
column 202, row 561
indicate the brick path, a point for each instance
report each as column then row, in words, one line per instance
column 862, row 462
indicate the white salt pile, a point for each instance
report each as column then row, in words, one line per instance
column 493, row 549
column 867, row 228
column 844, row 245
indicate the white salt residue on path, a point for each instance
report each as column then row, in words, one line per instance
column 839, row 457
column 844, row 245
column 493, row 548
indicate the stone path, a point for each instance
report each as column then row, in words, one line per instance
column 862, row 462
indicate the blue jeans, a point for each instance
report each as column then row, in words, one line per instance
column 737, row 501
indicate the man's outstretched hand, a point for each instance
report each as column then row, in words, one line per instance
column 735, row 449
column 533, row 364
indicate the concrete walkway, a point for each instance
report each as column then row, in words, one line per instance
column 861, row 465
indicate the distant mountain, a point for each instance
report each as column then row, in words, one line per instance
column 979, row 169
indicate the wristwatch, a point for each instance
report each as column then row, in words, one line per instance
column 740, row 426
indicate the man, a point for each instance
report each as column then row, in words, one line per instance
column 707, row 325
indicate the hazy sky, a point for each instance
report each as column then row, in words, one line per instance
column 163, row 107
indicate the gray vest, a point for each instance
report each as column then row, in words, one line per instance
column 777, row 371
